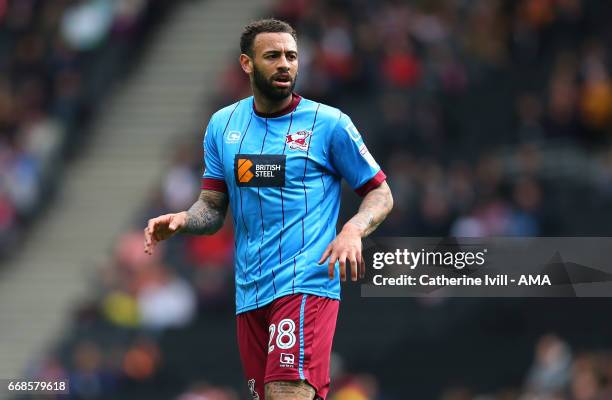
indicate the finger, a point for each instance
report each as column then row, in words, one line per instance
column 331, row 266
column 161, row 225
column 326, row 254
column 362, row 268
column 153, row 228
column 173, row 224
column 146, row 241
column 342, row 260
column 147, row 234
column 151, row 225
column 353, row 262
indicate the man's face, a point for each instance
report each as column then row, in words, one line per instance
column 275, row 64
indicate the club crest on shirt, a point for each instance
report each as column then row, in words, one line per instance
column 298, row 140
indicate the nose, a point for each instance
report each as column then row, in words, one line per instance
column 283, row 63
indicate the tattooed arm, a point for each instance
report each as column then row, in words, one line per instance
column 373, row 210
column 205, row 217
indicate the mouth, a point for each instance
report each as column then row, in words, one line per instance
column 283, row 81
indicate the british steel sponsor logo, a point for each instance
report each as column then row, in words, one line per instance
column 260, row 170
column 299, row 140
column 244, row 170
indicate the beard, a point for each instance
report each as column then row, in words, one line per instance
column 267, row 88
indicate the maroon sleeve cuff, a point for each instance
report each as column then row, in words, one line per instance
column 372, row 184
column 217, row 185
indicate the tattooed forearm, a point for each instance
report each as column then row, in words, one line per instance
column 374, row 208
column 289, row 390
column 206, row 215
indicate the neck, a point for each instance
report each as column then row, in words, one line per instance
column 265, row 105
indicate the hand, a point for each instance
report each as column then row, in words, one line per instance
column 345, row 247
column 161, row 228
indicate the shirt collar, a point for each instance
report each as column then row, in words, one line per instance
column 295, row 100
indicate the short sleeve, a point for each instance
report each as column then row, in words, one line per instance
column 213, row 177
column 352, row 159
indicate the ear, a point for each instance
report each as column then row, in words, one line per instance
column 246, row 63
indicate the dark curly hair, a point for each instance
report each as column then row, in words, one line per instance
column 262, row 26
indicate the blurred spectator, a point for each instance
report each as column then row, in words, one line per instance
column 204, row 391
column 551, row 369
column 88, row 379
column 86, row 23
column 165, row 301
column 142, row 360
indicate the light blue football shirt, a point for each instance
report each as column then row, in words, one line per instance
column 282, row 173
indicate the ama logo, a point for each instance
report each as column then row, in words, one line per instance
column 299, row 140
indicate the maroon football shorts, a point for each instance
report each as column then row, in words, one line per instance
column 287, row 340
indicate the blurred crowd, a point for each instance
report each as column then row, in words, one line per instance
column 490, row 117
column 57, row 60
column 555, row 374
column 470, row 106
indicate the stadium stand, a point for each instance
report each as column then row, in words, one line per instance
column 58, row 60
